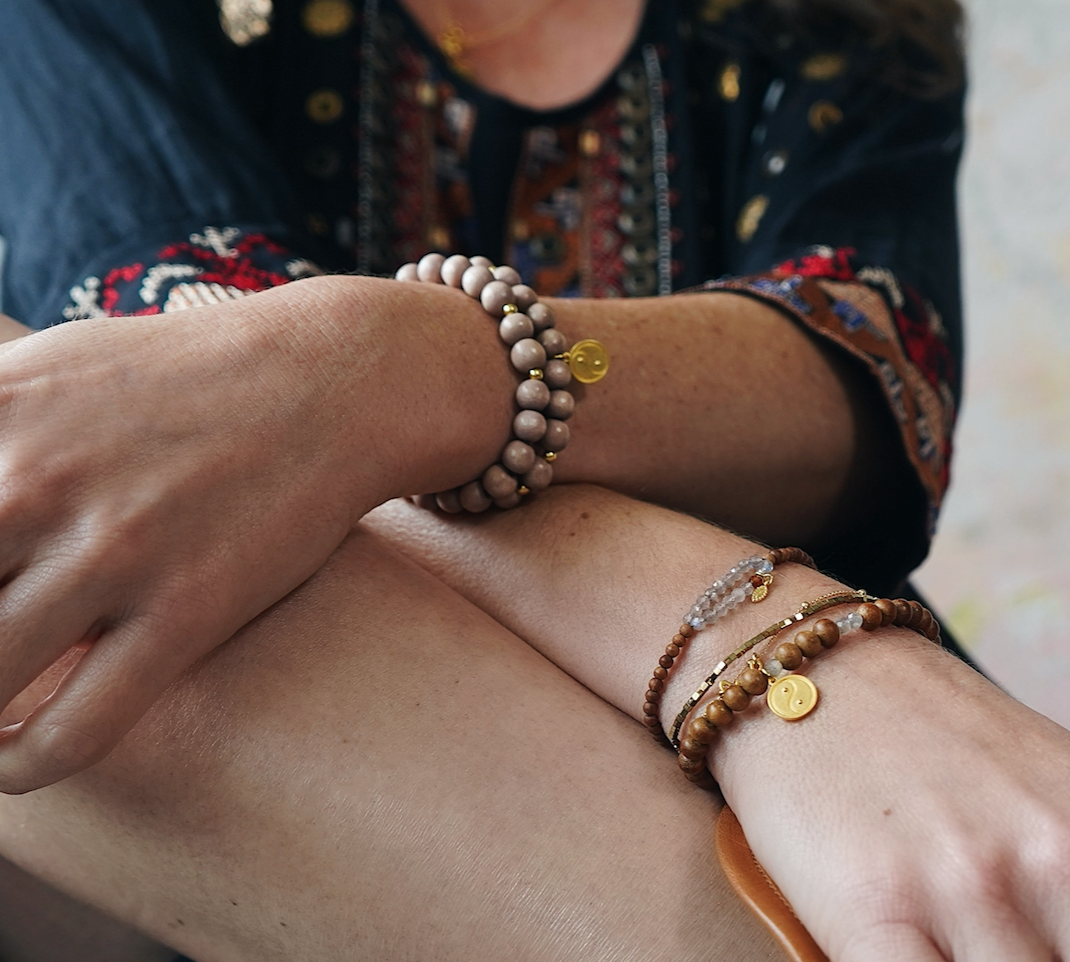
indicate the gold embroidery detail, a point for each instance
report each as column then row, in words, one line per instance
column 324, row 106
column 823, row 66
column 327, row 18
column 751, row 216
column 822, row 115
column 729, row 82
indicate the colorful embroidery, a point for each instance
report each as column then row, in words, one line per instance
column 890, row 328
column 216, row 265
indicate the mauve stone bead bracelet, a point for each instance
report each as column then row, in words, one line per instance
column 540, row 353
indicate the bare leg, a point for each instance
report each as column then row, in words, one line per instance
column 376, row 769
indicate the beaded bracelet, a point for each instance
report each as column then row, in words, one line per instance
column 792, row 696
column 537, row 349
column 749, row 578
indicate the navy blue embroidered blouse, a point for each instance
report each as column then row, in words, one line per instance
column 148, row 163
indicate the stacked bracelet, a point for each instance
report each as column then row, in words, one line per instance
column 749, row 578
column 790, row 696
column 536, row 349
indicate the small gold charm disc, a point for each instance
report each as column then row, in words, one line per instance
column 588, row 360
column 793, row 697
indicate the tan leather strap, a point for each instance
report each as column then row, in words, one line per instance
column 760, row 893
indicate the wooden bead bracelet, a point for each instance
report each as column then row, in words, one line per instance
column 750, row 578
column 791, row 696
column 536, row 349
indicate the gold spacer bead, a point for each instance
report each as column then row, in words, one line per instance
column 550, row 456
column 536, row 372
column 523, row 490
column 510, row 309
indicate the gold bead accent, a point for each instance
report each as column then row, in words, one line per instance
column 536, row 372
column 510, row 309
column 588, row 360
column 523, row 490
column 550, row 456
column 328, row 18
column 590, row 143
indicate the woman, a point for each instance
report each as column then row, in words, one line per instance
column 290, row 414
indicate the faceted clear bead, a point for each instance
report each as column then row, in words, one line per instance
column 738, row 595
column 695, row 622
column 774, row 667
column 748, row 589
column 765, row 566
column 854, row 620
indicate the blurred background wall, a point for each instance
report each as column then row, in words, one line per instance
column 1000, row 566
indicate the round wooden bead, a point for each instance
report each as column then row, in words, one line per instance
column 871, row 616
column 553, row 340
column 556, row 373
column 453, row 268
column 562, row 405
column 557, row 435
column 827, row 631
column 651, row 722
column 495, row 296
column 523, row 297
column 506, row 274
column 508, row 501
column 515, row 327
column 498, row 482
column 661, row 673
column 692, row 748
column 541, row 315
column 691, row 765
column 532, row 394
column 686, row 630
column 655, row 685
column 539, row 476
column 651, row 708
column 902, row 611
column 917, row 613
column 429, row 267
column 472, row 496
column 672, row 650
column 449, row 501
column 519, row 457
column 529, row 426
column 752, row 681
column 666, row 662
column 718, row 714
column 809, row 643
column 527, row 354
column 789, row 655
column 735, row 698
column 475, row 279
column 679, row 639
column 701, row 730
column 887, row 610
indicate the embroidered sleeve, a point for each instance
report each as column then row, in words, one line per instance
column 211, row 266
column 887, row 326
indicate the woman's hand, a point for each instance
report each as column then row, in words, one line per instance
column 919, row 815
column 164, row 480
